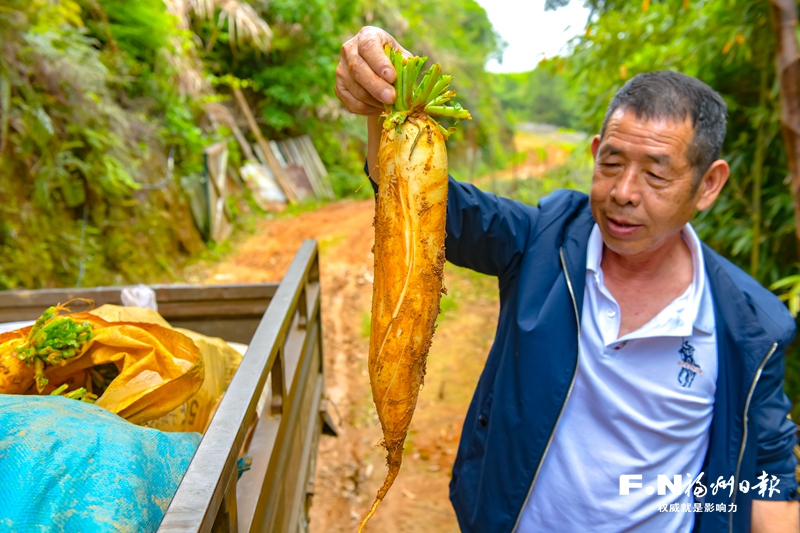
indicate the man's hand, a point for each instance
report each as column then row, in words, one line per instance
column 775, row 517
column 365, row 74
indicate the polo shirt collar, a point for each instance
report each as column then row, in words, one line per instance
column 704, row 307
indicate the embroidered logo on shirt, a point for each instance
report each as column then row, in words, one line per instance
column 688, row 367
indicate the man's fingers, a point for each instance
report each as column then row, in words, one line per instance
column 365, row 71
column 359, row 92
column 370, row 48
column 363, row 74
column 353, row 104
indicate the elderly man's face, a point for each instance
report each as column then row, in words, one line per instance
column 642, row 187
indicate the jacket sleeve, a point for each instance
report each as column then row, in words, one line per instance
column 776, row 432
column 485, row 233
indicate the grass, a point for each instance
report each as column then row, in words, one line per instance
column 330, row 242
column 366, row 323
column 408, row 445
column 465, row 285
column 575, row 173
column 304, row 206
column 448, row 303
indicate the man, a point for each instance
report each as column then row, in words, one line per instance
column 635, row 381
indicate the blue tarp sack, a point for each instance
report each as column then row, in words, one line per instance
column 71, row 466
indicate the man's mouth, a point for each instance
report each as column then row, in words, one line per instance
column 622, row 228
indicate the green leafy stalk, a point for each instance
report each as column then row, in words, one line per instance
column 441, row 85
column 53, row 339
column 445, row 131
column 399, row 84
column 445, row 111
column 426, row 85
column 441, row 99
column 429, row 96
column 78, row 394
column 410, row 65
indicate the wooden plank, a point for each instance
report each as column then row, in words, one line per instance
column 222, row 114
column 164, row 293
column 285, row 477
column 308, row 164
column 299, row 160
column 298, row 155
column 247, row 150
column 285, row 150
column 212, row 309
column 323, row 172
column 216, row 168
column 239, row 291
column 300, row 181
column 273, row 164
column 279, row 155
column 231, row 312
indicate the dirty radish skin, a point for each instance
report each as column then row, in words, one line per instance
column 409, row 259
column 410, row 215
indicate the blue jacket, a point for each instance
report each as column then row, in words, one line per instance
column 539, row 257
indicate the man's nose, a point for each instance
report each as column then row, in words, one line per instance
column 626, row 189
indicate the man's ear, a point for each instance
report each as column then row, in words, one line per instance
column 712, row 182
column 595, row 145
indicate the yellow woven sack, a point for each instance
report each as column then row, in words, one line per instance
column 159, row 368
column 219, row 359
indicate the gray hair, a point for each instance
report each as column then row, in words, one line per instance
column 672, row 95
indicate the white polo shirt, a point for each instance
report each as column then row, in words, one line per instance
column 640, row 405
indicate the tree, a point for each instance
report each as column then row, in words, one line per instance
column 787, row 58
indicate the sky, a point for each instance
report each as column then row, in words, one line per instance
column 531, row 32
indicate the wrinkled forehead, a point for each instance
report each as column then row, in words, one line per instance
column 626, row 132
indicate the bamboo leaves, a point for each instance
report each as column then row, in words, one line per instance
column 791, row 295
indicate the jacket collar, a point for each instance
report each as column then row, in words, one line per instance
column 575, row 245
column 739, row 321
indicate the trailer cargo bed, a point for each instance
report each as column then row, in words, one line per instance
column 277, row 423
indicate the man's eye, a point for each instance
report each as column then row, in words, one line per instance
column 655, row 176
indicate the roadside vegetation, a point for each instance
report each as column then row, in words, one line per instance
column 96, row 95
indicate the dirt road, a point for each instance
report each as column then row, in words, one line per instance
column 351, row 468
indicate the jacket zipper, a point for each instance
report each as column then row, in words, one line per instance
column 744, row 432
column 569, row 391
